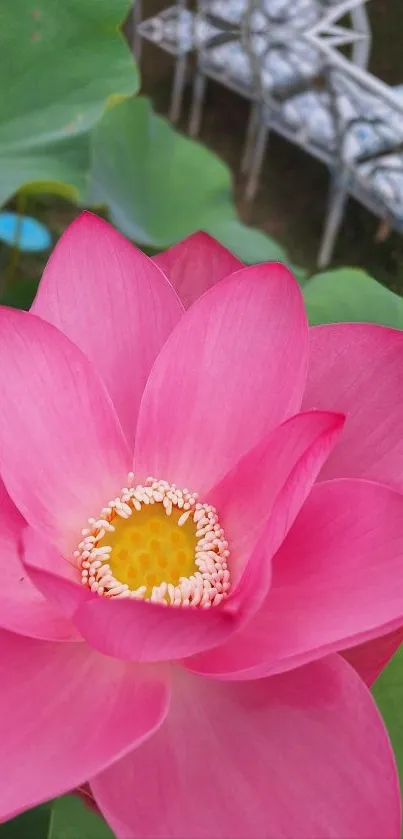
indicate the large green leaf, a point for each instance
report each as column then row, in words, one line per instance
column 64, row 818
column 251, row 245
column 157, row 184
column 349, row 294
column 247, row 243
column 72, row 820
column 61, row 168
column 63, row 62
column 388, row 693
column 160, row 186
column 34, row 824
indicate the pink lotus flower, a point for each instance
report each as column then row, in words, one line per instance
column 182, row 653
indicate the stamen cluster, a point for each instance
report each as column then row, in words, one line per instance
column 208, row 585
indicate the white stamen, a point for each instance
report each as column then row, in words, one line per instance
column 183, row 518
column 168, row 505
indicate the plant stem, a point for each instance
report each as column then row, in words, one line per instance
column 14, row 257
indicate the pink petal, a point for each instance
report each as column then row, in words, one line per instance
column 136, row 630
column 246, row 495
column 195, row 265
column 58, row 579
column 62, row 451
column 67, row 713
column 113, row 302
column 337, row 581
column 23, row 608
column 233, row 368
column 371, row 658
column 300, row 755
column 357, row 369
column 63, row 454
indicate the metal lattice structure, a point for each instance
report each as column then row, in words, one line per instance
column 302, row 65
column 253, row 46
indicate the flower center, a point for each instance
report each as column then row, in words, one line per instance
column 156, row 542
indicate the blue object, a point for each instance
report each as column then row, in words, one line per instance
column 32, row 235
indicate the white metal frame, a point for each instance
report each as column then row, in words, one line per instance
column 325, row 36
